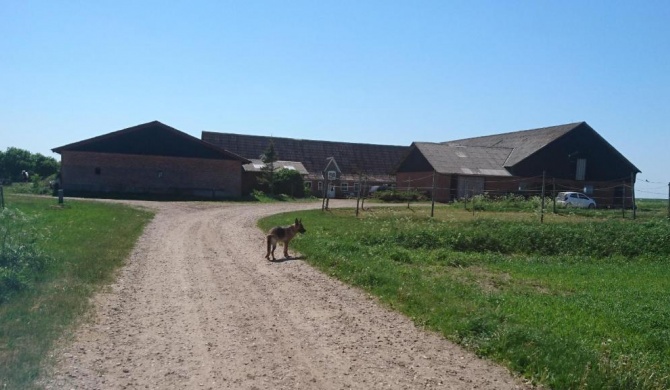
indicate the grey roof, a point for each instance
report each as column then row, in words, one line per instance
column 152, row 139
column 465, row 160
column 523, row 143
column 376, row 162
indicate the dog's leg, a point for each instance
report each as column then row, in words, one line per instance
column 286, row 249
column 274, row 246
column 269, row 243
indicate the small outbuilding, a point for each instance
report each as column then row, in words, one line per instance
column 149, row 160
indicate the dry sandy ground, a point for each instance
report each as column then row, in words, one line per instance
column 198, row 307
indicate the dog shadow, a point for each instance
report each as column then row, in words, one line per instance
column 290, row 258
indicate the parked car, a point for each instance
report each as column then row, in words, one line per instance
column 575, row 199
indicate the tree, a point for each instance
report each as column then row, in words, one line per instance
column 44, row 166
column 289, row 182
column 15, row 160
column 269, row 157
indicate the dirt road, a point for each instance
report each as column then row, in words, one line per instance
column 198, row 307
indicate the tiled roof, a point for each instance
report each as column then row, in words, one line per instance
column 374, row 161
column 522, row 143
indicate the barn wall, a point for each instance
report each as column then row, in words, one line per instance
column 85, row 172
column 423, row 182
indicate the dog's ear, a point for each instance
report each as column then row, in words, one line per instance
column 297, row 221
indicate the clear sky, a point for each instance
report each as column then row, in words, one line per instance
column 386, row 72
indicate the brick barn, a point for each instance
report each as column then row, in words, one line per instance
column 341, row 168
column 149, row 160
column 572, row 157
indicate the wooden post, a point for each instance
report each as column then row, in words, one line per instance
column 358, row 195
column 668, row 200
column 2, row 197
column 632, row 193
column 623, row 200
column 324, row 189
column 432, row 195
column 553, row 193
column 60, row 196
column 542, row 204
column 473, row 202
column 364, row 186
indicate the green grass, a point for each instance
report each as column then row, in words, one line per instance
column 580, row 301
column 86, row 243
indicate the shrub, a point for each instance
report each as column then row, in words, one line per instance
column 20, row 258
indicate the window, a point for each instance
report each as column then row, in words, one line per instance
column 357, row 187
column 581, row 169
column 160, row 174
column 345, row 187
column 308, row 185
column 320, row 186
column 332, row 175
column 588, row 189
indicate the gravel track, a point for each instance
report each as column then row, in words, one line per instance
column 198, row 307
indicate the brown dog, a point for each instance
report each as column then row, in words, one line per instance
column 284, row 234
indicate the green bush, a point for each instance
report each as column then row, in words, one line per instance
column 20, row 259
column 400, row 196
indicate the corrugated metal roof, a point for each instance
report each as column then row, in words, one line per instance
column 256, row 165
column 465, row 160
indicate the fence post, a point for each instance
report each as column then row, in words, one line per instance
column 623, row 200
column 632, row 194
column 432, row 195
column 60, row 196
column 542, row 206
column 553, row 194
column 2, row 196
column 668, row 200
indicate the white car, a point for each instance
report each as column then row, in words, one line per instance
column 575, row 199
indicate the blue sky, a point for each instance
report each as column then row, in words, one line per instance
column 388, row 72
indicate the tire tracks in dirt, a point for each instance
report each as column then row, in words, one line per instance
column 198, row 307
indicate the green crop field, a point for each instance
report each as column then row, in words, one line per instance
column 579, row 301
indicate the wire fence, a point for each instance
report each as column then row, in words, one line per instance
column 619, row 193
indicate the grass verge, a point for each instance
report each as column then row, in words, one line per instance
column 578, row 302
column 86, row 243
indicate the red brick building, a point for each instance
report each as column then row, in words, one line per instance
column 571, row 157
column 149, row 160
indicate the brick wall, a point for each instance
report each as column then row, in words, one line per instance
column 83, row 172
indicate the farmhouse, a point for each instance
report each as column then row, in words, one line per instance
column 341, row 168
column 149, row 159
column 571, row 157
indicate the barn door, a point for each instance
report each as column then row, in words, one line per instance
column 469, row 186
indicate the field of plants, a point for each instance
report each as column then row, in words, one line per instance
column 579, row 301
